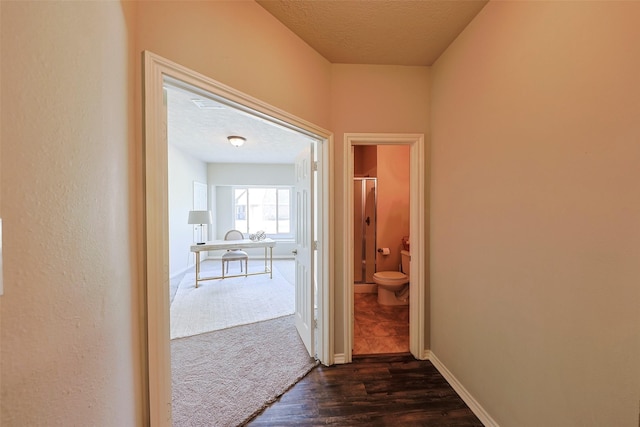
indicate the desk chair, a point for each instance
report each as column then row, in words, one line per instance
column 234, row 254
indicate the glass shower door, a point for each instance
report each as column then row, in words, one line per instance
column 364, row 209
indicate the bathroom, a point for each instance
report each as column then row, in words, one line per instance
column 381, row 243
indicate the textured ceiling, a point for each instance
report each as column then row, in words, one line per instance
column 199, row 125
column 391, row 32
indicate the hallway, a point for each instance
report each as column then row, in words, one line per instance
column 373, row 391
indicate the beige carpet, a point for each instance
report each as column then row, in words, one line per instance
column 224, row 378
column 224, row 303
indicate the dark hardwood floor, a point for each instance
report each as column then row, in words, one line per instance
column 394, row 390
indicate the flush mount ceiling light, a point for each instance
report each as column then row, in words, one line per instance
column 236, row 141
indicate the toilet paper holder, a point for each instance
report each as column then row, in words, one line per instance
column 384, row 251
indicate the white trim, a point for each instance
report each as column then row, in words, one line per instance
column 339, row 359
column 325, row 250
column 157, row 363
column 471, row 402
column 155, row 244
column 417, row 306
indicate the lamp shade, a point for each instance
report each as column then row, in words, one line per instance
column 200, row 217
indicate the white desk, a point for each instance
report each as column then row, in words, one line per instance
column 214, row 245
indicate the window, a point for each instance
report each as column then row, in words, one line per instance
column 263, row 208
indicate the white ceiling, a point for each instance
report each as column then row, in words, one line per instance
column 202, row 131
column 391, row 32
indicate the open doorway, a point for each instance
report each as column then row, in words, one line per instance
column 157, row 71
column 381, row 229
column 248, row 189
column 417, row 300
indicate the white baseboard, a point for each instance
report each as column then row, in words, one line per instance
column 339, row 359
column 471, row 402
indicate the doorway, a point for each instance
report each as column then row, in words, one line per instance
column 381, row 222
column 417, row 301
column 158, row 360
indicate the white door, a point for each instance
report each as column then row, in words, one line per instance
column 305, row 313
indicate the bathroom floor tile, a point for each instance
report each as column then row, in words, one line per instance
column 379, row 329
column 361, row 346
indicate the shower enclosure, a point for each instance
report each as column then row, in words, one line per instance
column 364, row 229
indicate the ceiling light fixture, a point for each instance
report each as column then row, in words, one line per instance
column 236, row 141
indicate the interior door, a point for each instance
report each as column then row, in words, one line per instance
column 304, row 247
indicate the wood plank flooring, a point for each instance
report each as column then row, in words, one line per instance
column 392, row 390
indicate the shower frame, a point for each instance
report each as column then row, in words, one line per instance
column 365, row 228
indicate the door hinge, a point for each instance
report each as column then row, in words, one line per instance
column 315, row 166
column 315, row 245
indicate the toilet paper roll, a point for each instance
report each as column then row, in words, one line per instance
column 384, row 251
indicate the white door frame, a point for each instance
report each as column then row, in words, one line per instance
column 157, row 362
column 417, row 301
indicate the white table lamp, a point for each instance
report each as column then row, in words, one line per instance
column 200, row 217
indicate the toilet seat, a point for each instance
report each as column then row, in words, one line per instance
column 390, row 278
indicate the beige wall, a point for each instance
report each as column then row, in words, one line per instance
column 71, row 189
column 371, row 99
column 240, row 44
column 535, row 195
column 535, row 212
column 71, row 349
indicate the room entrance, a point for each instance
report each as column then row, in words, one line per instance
column 418, row 309
column 157, row 71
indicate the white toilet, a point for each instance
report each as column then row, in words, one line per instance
column 393, row 286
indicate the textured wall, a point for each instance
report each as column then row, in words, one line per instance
column 535, row 212
column 70, row 345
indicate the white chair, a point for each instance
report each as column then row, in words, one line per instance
column 234, row 254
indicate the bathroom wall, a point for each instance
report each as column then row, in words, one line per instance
column 393, row 203
column 390, row 164
column 365, row 160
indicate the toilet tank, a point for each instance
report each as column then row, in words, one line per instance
column 406, row 258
